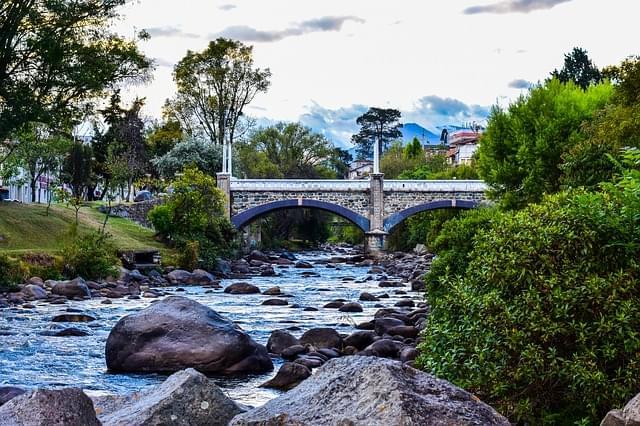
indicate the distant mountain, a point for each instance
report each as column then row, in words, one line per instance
column 414, row 130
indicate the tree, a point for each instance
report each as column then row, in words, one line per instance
column 376, row 124
column 56, row 55
column 40, row 151
column 414, row 150
column 77, row 172
column 339, row 161
column 214, row 86
column 204, row 155
column 579, row 69
column 292, row 149
column 520, row 154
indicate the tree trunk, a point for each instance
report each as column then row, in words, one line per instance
column 33, row 190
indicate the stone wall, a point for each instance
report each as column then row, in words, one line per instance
column 396, row 201
column 355, row 201
column 136, row 212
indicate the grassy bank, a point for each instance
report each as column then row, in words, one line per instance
column 27, row 228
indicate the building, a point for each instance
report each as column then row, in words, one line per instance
column 360, row 169
column 463, row 144
column 17, row 188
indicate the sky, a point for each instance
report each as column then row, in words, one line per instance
column 438, row 61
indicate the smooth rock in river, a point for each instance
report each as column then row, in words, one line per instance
column 242, row 288
column 178, row 333
column 280, row 340
column 33, row 291
column 9, row 392
column 258, row 255
column 405, row 331
column 73, row 288
column 383, row 325
column 368, row 297
column 275, row 302
column 186, row 398
column 288, row 377
column 322, row 338
column 360, row 339
column 73, row 318
column 368, row 391
column 273, row 291
column 351, row 307
column 49, row 407
column 178, row 276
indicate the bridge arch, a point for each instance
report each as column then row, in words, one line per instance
column 396, row 219
column 247, row 216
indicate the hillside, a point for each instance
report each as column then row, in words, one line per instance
column 27, row 228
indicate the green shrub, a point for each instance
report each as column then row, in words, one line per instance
column 543, row 324
column 90, row 256
column 42, row 265
column 12, row 273
column 162, row 219
column 453, row 246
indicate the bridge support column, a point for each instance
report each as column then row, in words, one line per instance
column 375, row 238
column 224, row 184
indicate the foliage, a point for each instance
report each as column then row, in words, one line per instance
column 286, row 150
column 396, row 161
column 42, row 265
column 194, row 212
column 191, row 152
column 453, row 245
column 579, row 69
column 520, row 154
column 90, row 256
column 543, row 323
column 377, row 124
column 432, row 166
column 56, row 55
column 414, row 150
column 11, row 273
column 214, row 86
column 343, row 231
column 163, row 136
column 339, row 161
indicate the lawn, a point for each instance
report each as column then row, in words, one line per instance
column 27, row 228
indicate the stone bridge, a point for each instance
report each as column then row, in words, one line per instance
column 376, row 206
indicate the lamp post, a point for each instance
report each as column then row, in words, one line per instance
column 376, row 157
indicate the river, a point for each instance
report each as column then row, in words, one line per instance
column 31, row 358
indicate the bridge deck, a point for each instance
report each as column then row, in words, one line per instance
column 356, row 185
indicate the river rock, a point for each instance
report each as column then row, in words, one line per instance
column 405, row 303
column 280, row 340
column 74, row 288
column 258, row 255
column 49, row 407
column 303, row 265
column 275, row 302
column 292, row 351
column 9, row 392
column 73, row 318
column 368, row 391
column 273, row 291
column 322, row 338
column 186, row 398
column 351, row 307
column 405, row 331
column 201, row 277
column 34, row 292
column 408, row 353
column 71, row 331
column 628, row 416
column 360, row 339
column 368, row 297
column 336, row 304
column 178, row 276
column 384, row 348
column 288, row 377
column 383, row 325
column 242, row 288
column 177, row 333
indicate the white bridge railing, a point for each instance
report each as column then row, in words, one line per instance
column 306, row 185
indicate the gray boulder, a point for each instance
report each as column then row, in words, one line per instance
column 74, row 288
column 322, row 338
column 242, row 288
column 179, row 276
column 628, row 416
column 34, row 292
column 279, row 340
column 288, row 377
column 49, row 407
column 9, row 392
column 373, row 392
column 178, row 333
column 186, row 398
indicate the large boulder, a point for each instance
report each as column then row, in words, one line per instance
column 628, row 416
column 259, row 256
column 49, row 407
column 178, row 333
column 34, row 292
column 279, row 340
column 73, row 288
column 9, row 392
column 179, row 276
column 186, row 398
column 373, row 392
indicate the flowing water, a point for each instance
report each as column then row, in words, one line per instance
column 31, row 358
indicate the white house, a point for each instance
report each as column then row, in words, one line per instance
column 462, row 145
column 360, row 169
column 17, row 188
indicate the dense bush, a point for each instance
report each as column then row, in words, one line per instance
column 193, row 220
column 543, row 324
column 12, row 273
column 90, row 256
column 453, row 246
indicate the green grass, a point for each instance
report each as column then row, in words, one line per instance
column 27, row 228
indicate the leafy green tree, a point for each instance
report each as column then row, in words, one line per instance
column 431, row 167
column 77, row 172
column 214, row 86
column 377, row 124
column 520, row 154
column 191, row 152
column 57, row 55
column 579, row 69
column 40, row 151
column 414, row 150
column 163, row 136
column 339, row 161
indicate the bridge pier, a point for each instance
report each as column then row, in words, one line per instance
column 375, row 238
column 224, row 184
